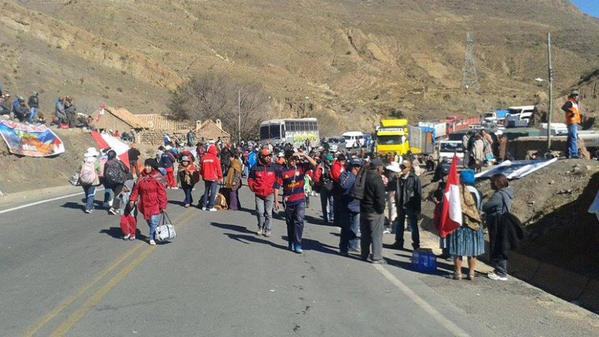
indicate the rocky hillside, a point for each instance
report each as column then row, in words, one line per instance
column 352, row 60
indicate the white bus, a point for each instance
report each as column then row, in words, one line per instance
column 294, row 131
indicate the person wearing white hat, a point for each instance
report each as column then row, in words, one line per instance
column 89, row 177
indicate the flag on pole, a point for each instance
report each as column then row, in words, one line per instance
column 451, row 214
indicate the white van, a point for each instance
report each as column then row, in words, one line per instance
column 353, row 139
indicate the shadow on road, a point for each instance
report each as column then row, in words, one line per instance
column 246, row 239
column 236, row 228
column 116, row 233
column 81, row 206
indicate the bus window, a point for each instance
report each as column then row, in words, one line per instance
column 275, row 131
column 264, row 134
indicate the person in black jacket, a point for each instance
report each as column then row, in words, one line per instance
column 372, row 217
column 408, row 198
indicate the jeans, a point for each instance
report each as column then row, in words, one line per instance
column 326, row 202
column 372, row 226
column 412, row 216
column 350, row 227
column 90, row 195
column 32, row 115
column 108, row 197
column 153, row 223
column 264, row 211
column 210, row 192
column 188, row 197
column 294, row 217
column 572, row 141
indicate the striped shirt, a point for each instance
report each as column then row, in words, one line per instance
column 292, row 180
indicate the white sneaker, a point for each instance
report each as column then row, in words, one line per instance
column 213, row 209
column 496, row 277
column 387, row 231
column 203, row 208
column 126, row 237
column 152, row 243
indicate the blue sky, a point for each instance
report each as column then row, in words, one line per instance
column 591, row 7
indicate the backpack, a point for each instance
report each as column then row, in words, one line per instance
column 114, row 173
column 88, row 175
column 357, row 192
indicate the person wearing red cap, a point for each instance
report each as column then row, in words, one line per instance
column 262, row 181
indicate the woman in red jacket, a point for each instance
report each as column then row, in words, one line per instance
column 151, row 194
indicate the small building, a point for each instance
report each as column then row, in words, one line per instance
column 210, row 130
column 109, row 118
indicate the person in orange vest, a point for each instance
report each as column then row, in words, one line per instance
column 573, row 120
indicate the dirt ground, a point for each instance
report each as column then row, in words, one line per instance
column 553, row 204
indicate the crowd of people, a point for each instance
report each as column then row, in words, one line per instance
column 356, row 189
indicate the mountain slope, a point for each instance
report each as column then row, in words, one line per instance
column 353, row 60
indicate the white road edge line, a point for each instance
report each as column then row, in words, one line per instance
column 442, row 320
column 40, row 202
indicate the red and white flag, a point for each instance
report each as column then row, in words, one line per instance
column 451, row 214
column 106, row 141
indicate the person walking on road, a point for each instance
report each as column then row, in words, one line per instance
column 573, row 120
column 150, row 195
column 323, row 184
column 115, row 175
column 263, row 182
column 292, row 180
column 468, row 240
column 89, row 177
column 372, row 213
column 213, row 175
column 133, row 154
column 499, row 204
column 189, row 175
column 233, row 181
column 167, row 162
column 349, row 210
column 408, row 198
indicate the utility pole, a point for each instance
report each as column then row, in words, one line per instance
column 550, row 112
column 239, row 116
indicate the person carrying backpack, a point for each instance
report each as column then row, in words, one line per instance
column 115, row 175
column 89, row 177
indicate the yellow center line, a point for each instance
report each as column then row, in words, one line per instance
column 78, row 315
column 34, row 329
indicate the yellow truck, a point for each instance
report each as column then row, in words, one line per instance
column 392, row 137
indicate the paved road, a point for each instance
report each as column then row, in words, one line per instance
column 66, row 273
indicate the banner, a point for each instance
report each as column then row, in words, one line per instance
column 30, row 140
column 516, row 169
column 106, row 141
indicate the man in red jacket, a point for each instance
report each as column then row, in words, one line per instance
column 262, row 181
column 213, row 175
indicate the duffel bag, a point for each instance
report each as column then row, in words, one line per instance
column 166, row 230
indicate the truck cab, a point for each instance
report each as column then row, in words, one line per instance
column 392, row 137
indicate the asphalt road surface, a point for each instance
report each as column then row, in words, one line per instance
column 65, row 273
